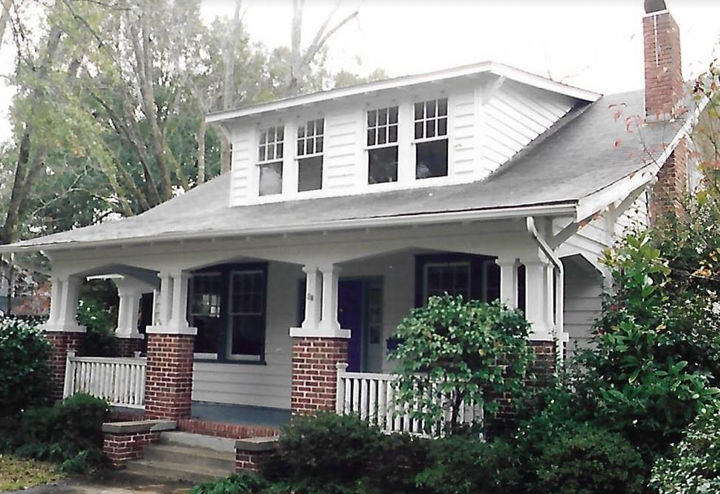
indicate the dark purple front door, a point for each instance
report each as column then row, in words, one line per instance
column 350, row 316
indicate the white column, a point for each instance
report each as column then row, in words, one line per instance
column 536, row 299
column 508, row 281
column 64, row 304
column 323, row 322
column 130, row 293
column 313, row 298
column 173, row 305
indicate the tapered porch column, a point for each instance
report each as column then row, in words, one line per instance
column 508, row 281
column 128, row 337
column 539, row 289
column 168, row 386
column 318, row 345
column 62, row 330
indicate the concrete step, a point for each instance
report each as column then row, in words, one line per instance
column 190, row 440
column 195, row 456
column 176, row 471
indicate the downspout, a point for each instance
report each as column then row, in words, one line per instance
column 559, row 284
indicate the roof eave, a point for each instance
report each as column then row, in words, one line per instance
column 560, row 209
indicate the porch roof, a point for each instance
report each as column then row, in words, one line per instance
column 584, row 155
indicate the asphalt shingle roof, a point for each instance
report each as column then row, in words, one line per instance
column 587, row 151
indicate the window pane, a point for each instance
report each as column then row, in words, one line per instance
column 261, row 154
column 453, row 279
column 318, row 144
column 320, row 126
column 383, row 165
column 204, row 311
column 442, row 127
column 382, row 136
column 281, row 133
column 394, row 115
column 271, row 179
column 279, row 150
column 383, row 116
column 271, row 153
column 430, row 128
column 248, row 332
column 419, row 111
column 300, row 147
column 393, row 133
column 301, row 132
column 442, row 107
column 310, row 146
column 311, row 128
column 310, row 173
column 419, row 127
column 430, row 109
column 431, row 159
column 372, row 118
column 371, row 137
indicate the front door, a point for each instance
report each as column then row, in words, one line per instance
column 351, row 294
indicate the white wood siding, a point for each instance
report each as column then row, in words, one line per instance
column 463, row 154
column 242, row 161
column 340, row 170
column 516, row 116
column 637, row 216
column 583, row 302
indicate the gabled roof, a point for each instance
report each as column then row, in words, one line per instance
column 587, row 154
column 465, row 71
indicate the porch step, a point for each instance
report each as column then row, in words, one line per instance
column 188, row 457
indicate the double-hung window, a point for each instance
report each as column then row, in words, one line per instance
column 310, row 144
column 382, row 143
column 270, row 160
column 246, row 337
column 204, row 312
column 431, row 138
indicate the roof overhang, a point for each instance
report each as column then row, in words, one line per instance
column 562, row 209
column 495, row 68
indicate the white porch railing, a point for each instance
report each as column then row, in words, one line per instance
column 120, row 381
column 372, row 397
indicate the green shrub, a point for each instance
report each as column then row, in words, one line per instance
column 694, row 467
column 69, row 433
column 588, row 460
column 468, row 465
column 468, row 350
column 99, row 340
column 237, row 483
column 24, row 353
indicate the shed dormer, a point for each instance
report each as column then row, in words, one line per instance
column 442, row 128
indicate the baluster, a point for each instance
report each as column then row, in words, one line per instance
column 372, row 406
column 356, row 396
column 364, row 398
column 382, row 402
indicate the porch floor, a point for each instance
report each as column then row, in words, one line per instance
column 228, row 414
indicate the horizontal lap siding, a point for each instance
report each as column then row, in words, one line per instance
column 259, row 385
column 241, row 167
column 463, row 130
column 341, row 150
column 583, row 302
column 516, row 116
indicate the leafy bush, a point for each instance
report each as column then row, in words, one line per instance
column 237, row 483
column 694, row 466
column 588, row 460
column 466, row 350
column 69, row 433
column 467, row 465
column 24, row 353
column 99, row 340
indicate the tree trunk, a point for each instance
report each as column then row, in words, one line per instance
column 201, row 151
column 228, row 99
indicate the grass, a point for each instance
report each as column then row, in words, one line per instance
column 18, row 474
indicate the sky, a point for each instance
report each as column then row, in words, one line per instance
column 593, row 44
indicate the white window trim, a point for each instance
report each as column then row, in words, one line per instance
column 435, row 119
column 266, row 161
column 238, row 356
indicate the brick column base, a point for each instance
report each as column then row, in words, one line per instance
column 314, row 373
column 252, row 452
column 168, row 386
column 122, row 448
column 545, row 365
column 126, row 347
column 62, row 343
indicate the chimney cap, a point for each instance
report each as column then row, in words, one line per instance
column 653, row 6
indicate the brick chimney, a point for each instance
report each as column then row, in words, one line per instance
column 664, row 93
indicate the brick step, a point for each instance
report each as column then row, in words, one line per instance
column 176, row 471
column 185, row 455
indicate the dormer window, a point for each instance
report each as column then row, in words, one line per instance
column 431, row 141
column 310, row 154
column 270, row 160
column 382, row 143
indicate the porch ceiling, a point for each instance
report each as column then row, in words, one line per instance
column 576, row 159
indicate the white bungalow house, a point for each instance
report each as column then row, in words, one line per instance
column 347, row 208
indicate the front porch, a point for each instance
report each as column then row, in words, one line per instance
column 263, row 322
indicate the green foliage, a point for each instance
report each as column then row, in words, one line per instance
column 588, row 460
column 466, row 350
column 694, row 465
column 68, row 433
column 99, row 339
column 646, row 374
column 237, row 483
column 23, row 366
column 467, row 465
